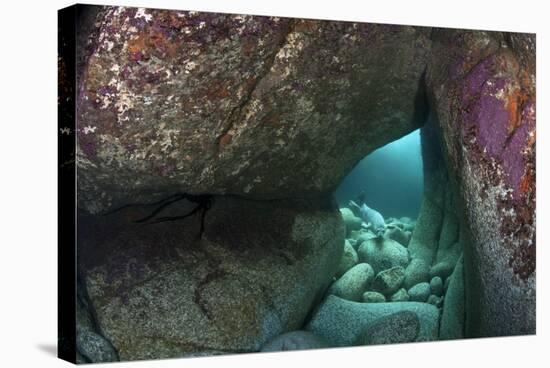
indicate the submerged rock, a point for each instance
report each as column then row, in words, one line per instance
column 396, row 328
column 419, row 292
column 373, row 297
column 453, row 315
column 416, row 272
column 383, row 253
column 95, row 347
column 435, row 300
column 350, row 220
column 342, row 322
column 295, row 340
column 353, row 283
column 400, row 295
column 399, row 235
column 483, row 91
column 349, row 259
column 270, row 92
column 253, row 273
column 442, row 269
column 91, row 346
column 436, row 285
column 389, row 281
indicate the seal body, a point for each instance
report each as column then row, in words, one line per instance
column 374, row 217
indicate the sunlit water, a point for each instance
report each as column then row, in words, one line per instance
column 391, row 178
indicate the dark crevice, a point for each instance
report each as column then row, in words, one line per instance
column 210, row 277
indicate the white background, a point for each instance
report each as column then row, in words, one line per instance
column 28, row 187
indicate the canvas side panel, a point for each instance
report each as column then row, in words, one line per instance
column 66, row 184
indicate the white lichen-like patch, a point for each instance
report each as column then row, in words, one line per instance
column 110, row 45
column 142, row 14
column 166, row 137
column 248, row 188
column 294, row 44
column 190, row 65
column 241, row 166
column 124, row 103
column 89, row 129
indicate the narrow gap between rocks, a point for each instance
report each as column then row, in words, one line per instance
column 402, row 243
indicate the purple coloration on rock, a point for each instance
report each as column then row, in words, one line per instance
column 476, row 78
column 241, row 104
column 491, row 117
column 512, row 157
column 492, row 163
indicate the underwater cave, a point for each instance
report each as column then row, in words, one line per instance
column 312, row 203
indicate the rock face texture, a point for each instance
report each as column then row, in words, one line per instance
column 453, row 316
column 158, row 290
column 295, row 340
column 482, row 92
column 393, row 329
column 259, row 119
column 345, row 323
column 232, row 104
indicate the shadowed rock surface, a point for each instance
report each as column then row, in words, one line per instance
column 158, row 290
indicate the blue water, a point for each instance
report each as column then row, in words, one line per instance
column 391, row 178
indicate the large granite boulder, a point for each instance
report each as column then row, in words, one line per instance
column 453, row 315
column 169, row 289
column 267, row 107
column 383, row 253
column 343, row 323
column 482, row 90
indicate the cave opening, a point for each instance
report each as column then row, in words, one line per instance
column 391, row 179
column 403, row 236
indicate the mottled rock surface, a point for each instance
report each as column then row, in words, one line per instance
column 400, row 295
column 161, row 290
column 373, row 297
column 94, row 347
column 348, row 260
column 417, row 271
column 342, row 322
column 353, row 283
column 453, row 315
column 295, row 340
column 399, row 235
column 396, row 328
column 436, row 285
column 177, row 101
column 383, row 253
column 389, row 281
column 482, row 90
column 419, row 292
